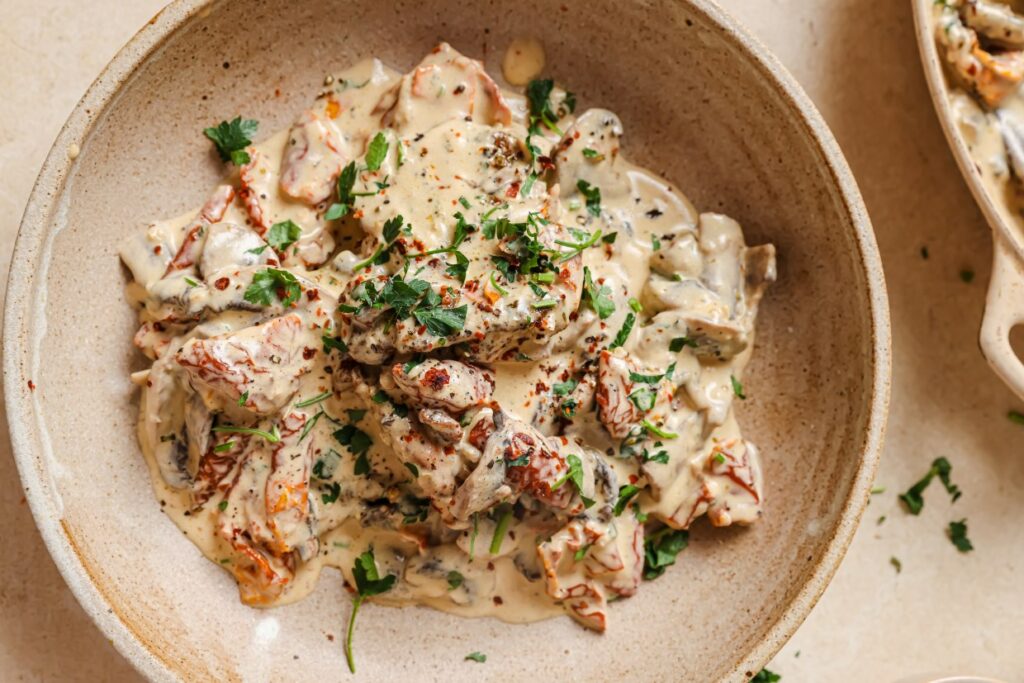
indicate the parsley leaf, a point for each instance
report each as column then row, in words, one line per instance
column 325, row 465
column 538, row 94
column 623, row 334
column 661, row 549
column 501, row 529
column 455, row 580
column 478, row 657
column 269, row 285
column 626, row 493
column 442, row 322
column 358, row 443
column 599, row 296
column 346, row 181
column 913, row 498
column 737, row 388
column 458, row 270
column 284, row 234
column 376, row 152
column 766, row 676
column 643, row 398
column 575, row 475
column 333, row 343
column 592, row 193
column 958, row 536
column 677, row 344
column 232, row 137
column 333, row 491
column 368, row 583
column 564, row 388
column 392, row 229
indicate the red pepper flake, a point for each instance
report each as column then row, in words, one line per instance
column 157, row 249
column 313, row 294
column 513, row 190
column 31, row 385
column 222, row 283
column 498, row 601
column 308, row 353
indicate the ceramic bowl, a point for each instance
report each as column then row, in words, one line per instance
column 1004, row 306
column 701, row 101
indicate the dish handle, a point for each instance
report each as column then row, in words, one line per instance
column 1004, row 308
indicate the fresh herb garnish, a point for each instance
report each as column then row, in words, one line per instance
column 478, row 657
column 413, row 470
column 190, row 282
column 455, row 580
column 575, row 475
column 591, row 153
column 392, row 229
column 283, row 235
column 224, row 447
column 313, row 401
column 657, row 431
column 358, row 444
column 626, row 493
column 346, row 181
column 895, row 562
column 1015, row 417
column 913, row 497
column 766, row 676
column 368, row 583
column 232, row 137
column 310, row 424
column 592, row 194
column 585, row 240
column 564, row 388
column 581, row 552
column 538, row 95
column 273, row 436
column 599, row 296
column 655, row 243
column 442, row 322
column 623, row 334
column 269, row 285
column 376, row 152
column 643, row 398
column 333, row 344
column 661, row 549
column 243, row 398
column 222, row 506
column 501, row 529
column 958, row 536
column 325, row 465
column 737, row 388
column 333, row 491
column 677, row 344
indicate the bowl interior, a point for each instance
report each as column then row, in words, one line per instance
column 696, row 106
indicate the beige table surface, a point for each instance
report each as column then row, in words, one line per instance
column 945, row 612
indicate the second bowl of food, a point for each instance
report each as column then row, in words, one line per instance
column 457, row 310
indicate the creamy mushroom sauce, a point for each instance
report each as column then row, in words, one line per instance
column 483, row 464
column 982, row 42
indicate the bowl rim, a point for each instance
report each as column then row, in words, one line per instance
column 28, row 271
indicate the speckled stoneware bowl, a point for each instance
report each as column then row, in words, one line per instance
column 701, row 102
column 1004, row 306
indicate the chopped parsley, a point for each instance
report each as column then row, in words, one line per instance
column 599, row 296
column 413, row 470
column 325, row 465
column 346, row 181
column 591, row 153
column 584, row 241
column 626, row 493
column 455, row 580
column 913, row 498
column 232, row 137
column 538, row 95
column 737, row 388
column 564, row 388
column 224, row 447
column 592, row 194
column 368, row 583
column 575, row 475
column 190, row 282
column 392, row 229
column 272, row 285
column 896, row 564
column 643, row 398
column 766, row 676
column 658, row 431
column 284, row 234
column 333, row 491
column 581, row 553
column 243, row 398
column 222, row 506
column 677, row 344
column 655, row 243
column 623, row 334
column 333, row 344
column 376, row 152
column 478, row 657
column 958, row 536
column 358, row 444
column 661, row 549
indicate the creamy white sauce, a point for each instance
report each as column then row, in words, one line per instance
column 435, row 449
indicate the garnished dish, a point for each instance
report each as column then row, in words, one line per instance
column 982, row 43
column 445, row 338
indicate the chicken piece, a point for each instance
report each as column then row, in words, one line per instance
column 195, row 233
column 516, row 459
column 622, row 399
column 313, row 158
column 446, row 85
column 734, row 484
column 229, row 245
column 445, row 384
column 288, row 518
column 446, row 427
column 997, row 22
column 992, row 75
column 258, row 367
column 586, row 559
